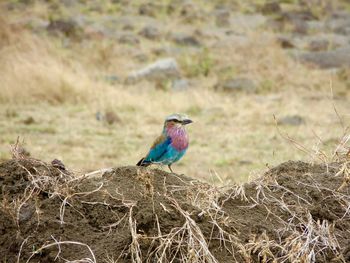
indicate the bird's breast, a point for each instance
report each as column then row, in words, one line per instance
column 179, row 138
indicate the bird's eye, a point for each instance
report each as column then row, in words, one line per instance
column 174, row 120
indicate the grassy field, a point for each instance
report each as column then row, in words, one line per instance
column 52, row 89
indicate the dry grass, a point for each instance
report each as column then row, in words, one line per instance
column 302, row 237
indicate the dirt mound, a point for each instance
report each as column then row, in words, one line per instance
column 296, row 212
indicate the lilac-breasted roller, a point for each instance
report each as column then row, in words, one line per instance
column 171, row 145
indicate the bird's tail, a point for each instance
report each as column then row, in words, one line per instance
column 143, row 162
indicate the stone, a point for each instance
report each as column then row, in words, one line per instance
column 58, row 164
column 68, row 27
column 150, row 32
column 222, row 17
column 111, row 117
column 286, row 42
column 316, row 26
column 128, row 39
column 148, row 9
column 319, row 44
column 327, row 59
column 339, row 23
column 304, row 15
column 325, row 42
column 237, row 85
column 185, row 39
column 191, row 12
column 29, row 120
column 271, row 8
column 180, row 84
column 128, row 27
column 293, row 120
column 160, row 70
column 294, row 21
column 25, row 212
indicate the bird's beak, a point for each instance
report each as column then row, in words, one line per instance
column 186, row 121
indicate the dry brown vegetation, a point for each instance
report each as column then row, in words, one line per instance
column 296, row 212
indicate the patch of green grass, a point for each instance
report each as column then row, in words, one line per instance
column 267, row 86
column 199, row 64
column 227, row 72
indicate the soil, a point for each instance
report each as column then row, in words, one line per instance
column 296, row 210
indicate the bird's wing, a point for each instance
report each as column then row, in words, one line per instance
column 158, row 148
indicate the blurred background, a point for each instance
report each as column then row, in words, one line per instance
column 90, row 82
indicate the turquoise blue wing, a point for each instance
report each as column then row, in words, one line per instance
column 159, row 148
column 171, row 155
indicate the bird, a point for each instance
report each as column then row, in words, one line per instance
column 171, row 145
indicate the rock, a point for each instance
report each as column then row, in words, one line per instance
column 58, row 164
column 317, row 42
column 28, row 121
column 25, row 212
column 237, row 84
column 160, row 70
column 326, row 41
column 149, row 9
column 300, row 26
column 271, row 8
column 180, row 84
column 318, row 45
column 191, row 12
column 188, row 9
column 316, row 26
column 185, row 39
column 68, row 27
column 222, row 17
column 327, row 59
column 286, row 42
column 293, row 120
column 130, row 39
column 339, row 23
column 298, row 20
column 99, row 116
column 111, row 117
column 150, row 32
column 128, row 27
column 303, row 15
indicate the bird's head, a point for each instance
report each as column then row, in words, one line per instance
column 177, row 120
